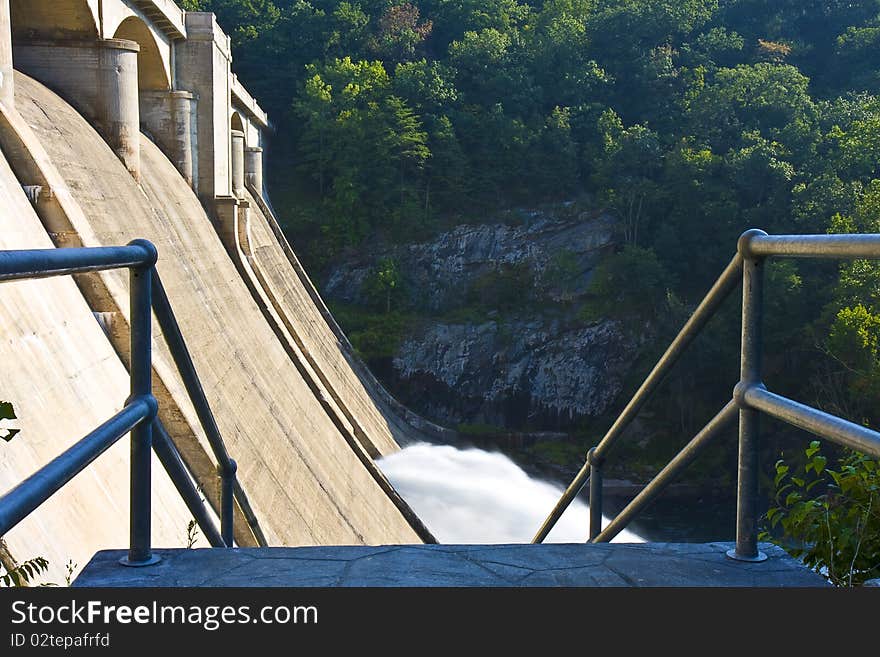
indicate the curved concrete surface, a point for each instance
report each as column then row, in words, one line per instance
column 306, row 483
column 378, row 416
column 64, row 379
column 314, row 337
column 309, row 358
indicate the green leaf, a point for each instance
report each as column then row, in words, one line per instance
column 10, row 434
column 24, row 573
column 781, row 471
column 782, row 490
column 6, row 411
column 813, row 484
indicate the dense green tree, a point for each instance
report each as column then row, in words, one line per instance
column 717, row 47
column 364, row 146
column 399, row 32
column 768, row 99
column 627, row 177
column 554, row 159
column 452, row 18
column 632, row 281
column 558, row 56
column 489, row 68
column 856, row 47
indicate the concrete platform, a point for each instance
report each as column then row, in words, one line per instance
column 568, row 565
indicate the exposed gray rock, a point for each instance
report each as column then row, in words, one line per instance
column 438, row 273
column 514, row 374
column 525, row 361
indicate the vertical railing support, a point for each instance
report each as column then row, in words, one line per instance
column 226, row 468
column 749, row 419
column 140, row 552
column 227, row 501
column 595, row 494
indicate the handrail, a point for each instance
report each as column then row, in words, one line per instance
column 44, row 263
column 719, row 292
column 667, row 475
column 139, row 416
column 843, row 432
column 176, row 469
column 840, row 246
column 230, row 490
column 19, row 502
column 750, row 397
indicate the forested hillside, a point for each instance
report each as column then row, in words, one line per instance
column 688, row 121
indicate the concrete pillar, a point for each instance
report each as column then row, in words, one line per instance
column 237, row 163
column 244, row 217
column 202, row 65
column 183, row 109
column 119, row 112
column 100, row 79
column 226, row 211
column 253, row 167
column 7, row 87
column 169, row 117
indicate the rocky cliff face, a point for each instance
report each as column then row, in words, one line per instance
column 501, row 340
column 559, row 254
column 521, row 373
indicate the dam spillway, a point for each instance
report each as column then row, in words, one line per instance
column 303, row 425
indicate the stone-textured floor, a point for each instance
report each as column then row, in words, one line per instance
column 616, row 564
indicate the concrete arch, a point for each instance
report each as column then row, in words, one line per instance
column 238, row 142
column 54, row 19
column 237, row 123
column 247, row 155
column 152, row 72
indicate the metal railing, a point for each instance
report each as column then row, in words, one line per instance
column 750, row 397
column 139, row 415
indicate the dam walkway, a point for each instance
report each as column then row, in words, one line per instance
column 520, row 565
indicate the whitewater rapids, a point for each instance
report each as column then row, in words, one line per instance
column 475, row 496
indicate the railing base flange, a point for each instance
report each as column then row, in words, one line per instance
column 732, row 554
column 154, row 559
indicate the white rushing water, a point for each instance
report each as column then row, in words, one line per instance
column 475, row 496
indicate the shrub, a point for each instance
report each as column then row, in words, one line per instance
column 830, row 518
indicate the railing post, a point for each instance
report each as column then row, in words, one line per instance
column 749, row 419
column 227, row 501
column 140, row 552
column 595, row 493
column 226, row 468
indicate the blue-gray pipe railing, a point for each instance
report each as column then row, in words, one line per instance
column 139, row 415
column 226, row 466
column 750, row 400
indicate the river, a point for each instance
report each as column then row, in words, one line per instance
column 475, row 496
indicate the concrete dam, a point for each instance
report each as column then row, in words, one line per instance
column 121, row 119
